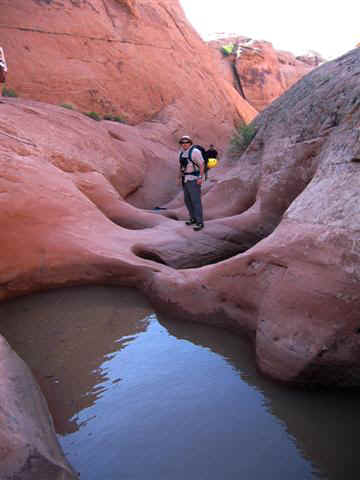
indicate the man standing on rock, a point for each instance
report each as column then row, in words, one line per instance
column 191, row 175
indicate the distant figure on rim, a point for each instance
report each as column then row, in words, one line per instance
column 211, row 158
column 191, row 174
column 212, row 152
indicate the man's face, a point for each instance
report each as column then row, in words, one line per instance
column 185, row 145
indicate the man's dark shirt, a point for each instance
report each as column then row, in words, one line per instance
column 211, row 153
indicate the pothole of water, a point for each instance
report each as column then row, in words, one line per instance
column 140, row 397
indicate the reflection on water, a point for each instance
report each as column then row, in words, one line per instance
column 137, row 397
column 322, row 424
column 66, row 335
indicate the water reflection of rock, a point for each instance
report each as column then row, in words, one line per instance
column 66, row 335
column 324, row 424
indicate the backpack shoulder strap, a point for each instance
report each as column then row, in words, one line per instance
column 190, row 155
column 191, row 150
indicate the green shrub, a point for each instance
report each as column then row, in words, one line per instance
column 241, row 139
column 114, row 118
column 118, row 119
column 94, row 116
column 67, row 105
column 8, row 92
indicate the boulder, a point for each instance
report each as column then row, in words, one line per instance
column 28, row 445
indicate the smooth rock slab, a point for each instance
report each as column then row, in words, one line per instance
column 28, row 445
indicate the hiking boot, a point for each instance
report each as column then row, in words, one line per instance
column 191, row 221
column 198, row 226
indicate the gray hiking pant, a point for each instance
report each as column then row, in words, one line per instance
column 192, row 199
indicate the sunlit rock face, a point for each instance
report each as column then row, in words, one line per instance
column 139, row 59
column 259, row 71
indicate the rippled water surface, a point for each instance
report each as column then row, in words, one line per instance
column 138, row 397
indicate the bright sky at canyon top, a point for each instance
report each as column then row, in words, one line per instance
column 329, row 28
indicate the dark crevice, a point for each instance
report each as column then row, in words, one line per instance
column 146, row 254
column 116, row 136
column 238, row 84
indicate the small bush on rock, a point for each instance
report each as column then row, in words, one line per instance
column 114, row 118
column 67, row 105
column 94, row 116
column 241, row 139
column 8, row 92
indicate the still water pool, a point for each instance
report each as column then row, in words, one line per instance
column 139, row 397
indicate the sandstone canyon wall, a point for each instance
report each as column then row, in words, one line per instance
column 260, row 72
column 289, row 204
column 139, row 59
column 295, row 292
column 279, row 254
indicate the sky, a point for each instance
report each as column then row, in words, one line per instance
column 330, row 28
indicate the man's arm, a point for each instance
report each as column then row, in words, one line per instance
column 178, row 178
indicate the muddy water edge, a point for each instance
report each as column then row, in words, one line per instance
column 139, row 397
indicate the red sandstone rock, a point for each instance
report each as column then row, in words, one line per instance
column 139, row 59
column 28, row 445
column 284, row 216
column 264, row 72
column 295, row 292
column 286, row 190
column 311, row 58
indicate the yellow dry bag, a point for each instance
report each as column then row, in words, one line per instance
column 212, row 162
